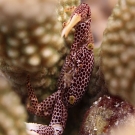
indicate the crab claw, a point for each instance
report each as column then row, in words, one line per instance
column 74, row 20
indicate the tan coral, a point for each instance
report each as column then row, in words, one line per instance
column 43, row 81
column 118, row 51
column 12, row 113
column 31, row 44
column 30, row 34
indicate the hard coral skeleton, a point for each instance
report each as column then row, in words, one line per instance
column 74, row 76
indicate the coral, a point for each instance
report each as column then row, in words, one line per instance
column 43, row 81
column 105, row 114
column 30, row 34
column 65, row 6
column 118, row 49
column 12, row 112
column 31, row 44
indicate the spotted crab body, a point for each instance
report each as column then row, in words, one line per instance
column 80, row 79
column 78, row 65
column 74, row 77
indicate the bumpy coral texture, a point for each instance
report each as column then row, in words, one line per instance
column 31, row 44
column 106, row 114
column 74, row 77
column 30, row 34
column 118, row 51
column 12, row 113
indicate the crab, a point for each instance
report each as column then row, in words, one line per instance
column 74, row 77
